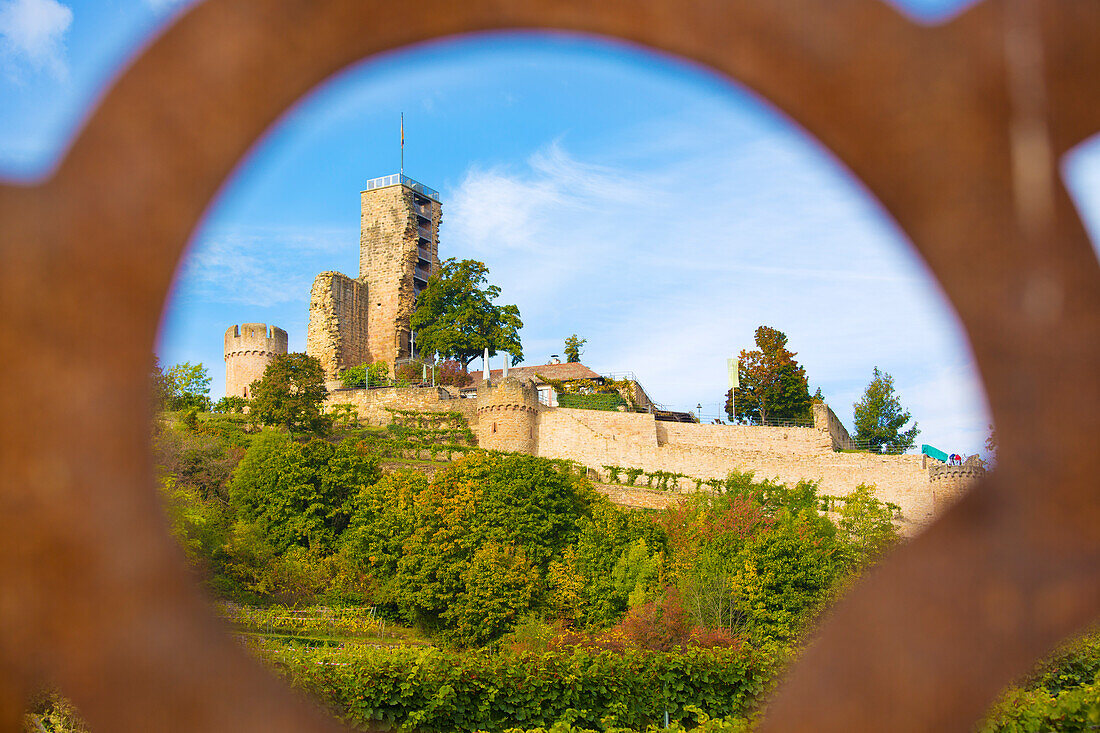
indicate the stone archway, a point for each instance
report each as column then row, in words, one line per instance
column 956, row 129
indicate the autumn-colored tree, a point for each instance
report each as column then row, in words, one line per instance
column 526, row 507
column 772, row 384
column 879, row 418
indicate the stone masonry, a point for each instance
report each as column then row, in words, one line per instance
column 249, row 348
column 399, row 238
column 337, row 333
column 366, row 319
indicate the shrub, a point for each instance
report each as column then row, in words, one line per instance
column 432, row 690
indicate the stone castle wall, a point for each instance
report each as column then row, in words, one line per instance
column 249, row 348
column 826, row 421
column 949, row 483
column 373, row 405
column 337, row 332
column 596, row 438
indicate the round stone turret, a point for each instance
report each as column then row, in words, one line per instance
column 249, row 348
column 507, row 416
column 951, row 482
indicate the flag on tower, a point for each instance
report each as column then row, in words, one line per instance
column 402, row 129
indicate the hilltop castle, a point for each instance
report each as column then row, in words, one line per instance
column 366, row 319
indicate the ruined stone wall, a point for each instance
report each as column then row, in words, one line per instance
column 826, row 421
column 337, row 332
column 636, row 498
column 371, row 404
column 388, row 255
column 249, row 348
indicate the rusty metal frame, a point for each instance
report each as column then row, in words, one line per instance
column 956, row 129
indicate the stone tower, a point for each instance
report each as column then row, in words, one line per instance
column 398, row 252
column 951, row 482
column 507, row 416
column 249, row 348
column 359, row 321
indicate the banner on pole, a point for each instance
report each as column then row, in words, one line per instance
column 731, row 367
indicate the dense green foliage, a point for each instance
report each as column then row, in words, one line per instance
column 464, row 555
column 607, row 402
column 574, row 348
column 1063, row 694
column 518, row 553
column 290, row 394
column 376, row 374
column 182, row 386
column 299, row 494
column 456, row 318
column 772, row 385
column 438, row 691
column 879, row 418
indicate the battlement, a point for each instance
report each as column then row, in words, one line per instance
column 941, row 472
column 255, row 337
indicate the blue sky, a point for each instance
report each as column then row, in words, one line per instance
column 656, row 210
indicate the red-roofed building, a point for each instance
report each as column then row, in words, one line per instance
column 558, row 371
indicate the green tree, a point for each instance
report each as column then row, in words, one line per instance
column 299, row 495
column 879, row 418
column 867, row 524
column 182, row 386
column 772, row 384
column 230, row 404
column 573, row 348
column 428, row 538
column 456, row 318
column 290, row 394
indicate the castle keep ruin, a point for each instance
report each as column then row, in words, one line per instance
column 249, row 348
column 366, row 319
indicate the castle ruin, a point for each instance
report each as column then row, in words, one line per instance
column 366, row 319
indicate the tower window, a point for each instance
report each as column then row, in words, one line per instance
column 494, row 427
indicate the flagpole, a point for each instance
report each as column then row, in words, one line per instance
column 402, row 144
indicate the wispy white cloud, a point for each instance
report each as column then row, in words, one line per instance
column 239, row 266
column 32, row 34
column 667, row 268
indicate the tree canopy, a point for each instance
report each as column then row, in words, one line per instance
column 573, row 348
column 298, row 494
column 181, row 386
column 456, row 318
column 772, row 384
column 290, row 394
column 879, row 418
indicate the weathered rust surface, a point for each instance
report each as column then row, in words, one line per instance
column 956, row 129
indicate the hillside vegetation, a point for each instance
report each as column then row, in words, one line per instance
column 501, row 591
